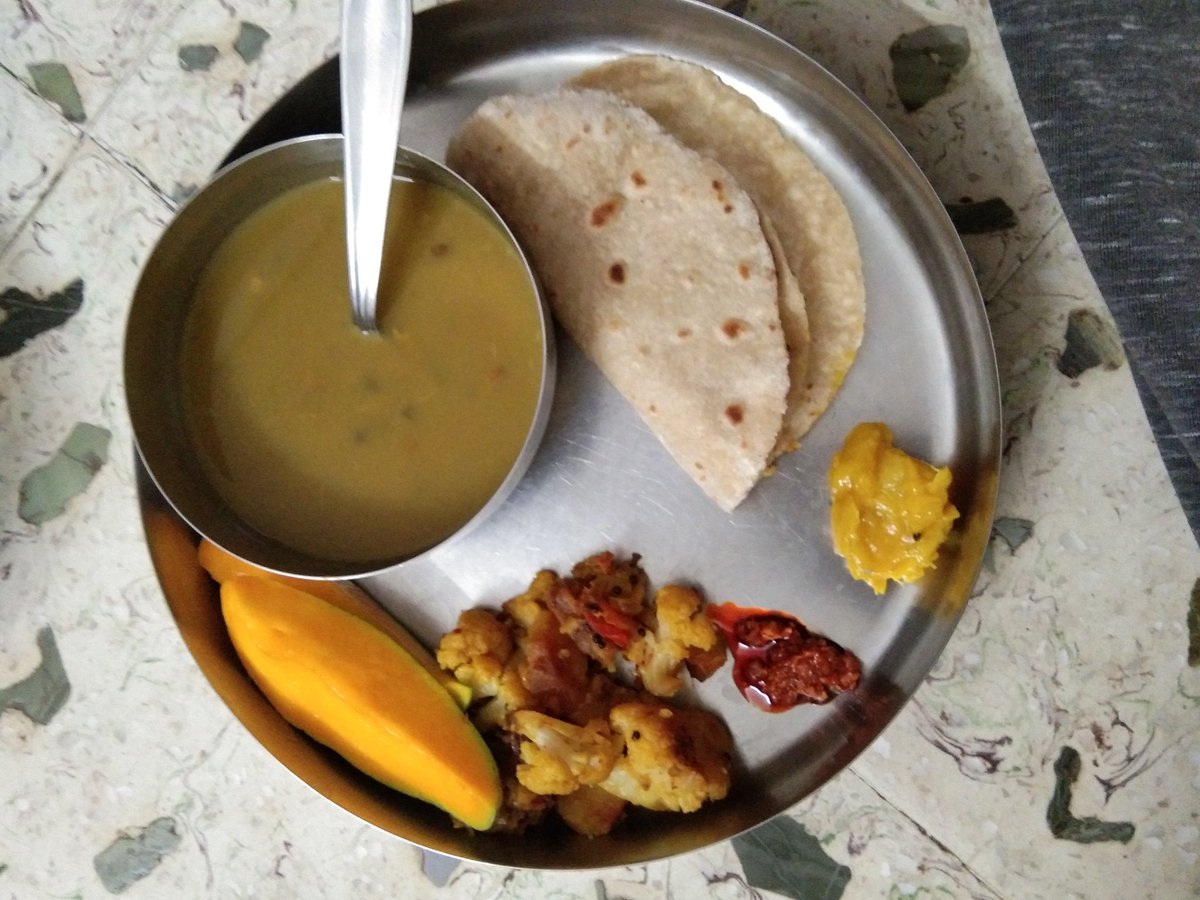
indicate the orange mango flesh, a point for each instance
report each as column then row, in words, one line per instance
column 354, row 689
column 346, row 596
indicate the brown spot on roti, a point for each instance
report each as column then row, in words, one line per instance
column 603, row 213
column 733, row 328
column 684, row 333
column 735, row 414
column 638, row 178
column 616, row 273
column 744, row 270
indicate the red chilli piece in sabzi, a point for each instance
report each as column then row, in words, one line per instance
column 778, row 663
column 598, row 605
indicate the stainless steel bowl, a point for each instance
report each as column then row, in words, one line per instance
column 160, row 306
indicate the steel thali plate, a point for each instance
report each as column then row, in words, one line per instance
column 602, row 481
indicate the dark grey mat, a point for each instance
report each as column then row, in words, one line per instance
column 1112, row 90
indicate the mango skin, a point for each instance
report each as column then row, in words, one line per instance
column 354, row 689
column 346, row 596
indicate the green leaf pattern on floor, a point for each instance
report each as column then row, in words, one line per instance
column 131, row 857
column 46, row 491
column 43, row 692
column 1063, row 823
column 781, row 856
column 24, row 316
column 981, row 216
column 197, row 57
column 1193, row 627
column 1091, row 341
column 249, row 42
column 54, row 82
column 924, row 62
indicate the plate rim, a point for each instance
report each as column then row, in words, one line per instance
column 435, row 20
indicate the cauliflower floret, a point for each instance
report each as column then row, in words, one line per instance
column 684, row 634
column 511, row 695
column 673, row 759
column 558, row 757
column 477, row 650
column 482, row 653
column 525, row 608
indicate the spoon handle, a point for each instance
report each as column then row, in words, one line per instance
column 376, row 44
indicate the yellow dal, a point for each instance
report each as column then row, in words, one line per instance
column 350, row 446
column 890, row 511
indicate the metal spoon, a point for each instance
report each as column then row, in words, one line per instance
column 376, row 43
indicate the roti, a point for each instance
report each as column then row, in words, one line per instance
column 816, row 234
column 656, row 264
column 793, row 316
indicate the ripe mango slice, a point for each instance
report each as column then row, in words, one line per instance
column 354, row 689
column 346, row 596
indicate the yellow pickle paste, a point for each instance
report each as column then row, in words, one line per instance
column 890, row 511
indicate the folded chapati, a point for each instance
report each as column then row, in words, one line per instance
column 793, row 316
column 707, row 115
column 654, row 261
